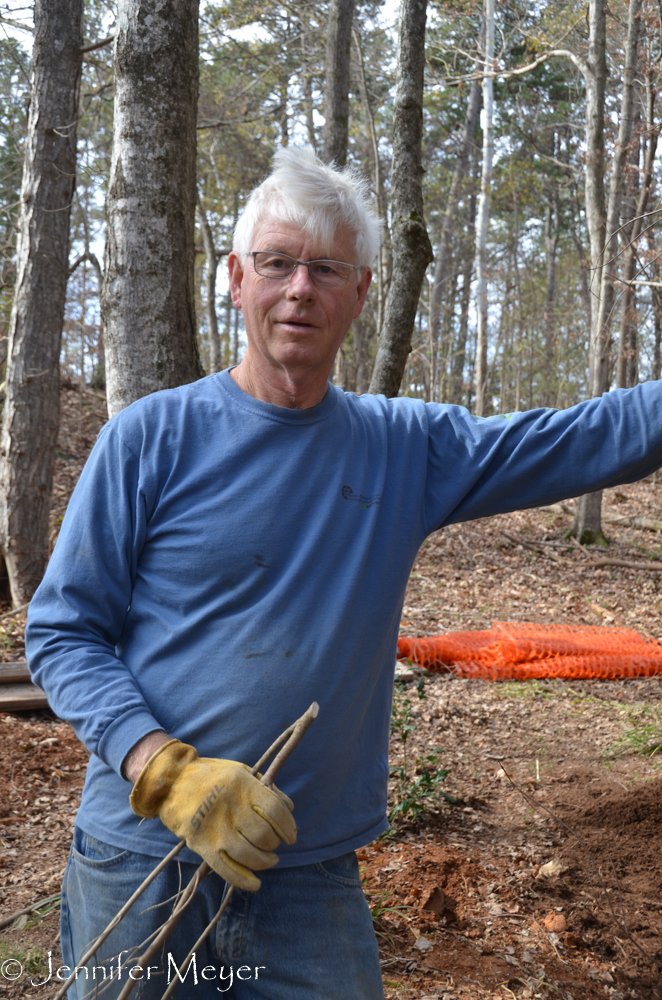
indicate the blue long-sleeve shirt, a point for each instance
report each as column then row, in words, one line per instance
column 224, row 562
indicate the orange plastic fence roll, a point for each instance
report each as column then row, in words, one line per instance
column 520, row 650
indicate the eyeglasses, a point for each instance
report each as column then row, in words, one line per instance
column 329, row 273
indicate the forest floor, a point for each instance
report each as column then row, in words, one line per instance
column 544, row 878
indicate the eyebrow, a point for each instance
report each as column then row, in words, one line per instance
column 286, row 254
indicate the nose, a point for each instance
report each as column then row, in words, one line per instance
column 300, row 285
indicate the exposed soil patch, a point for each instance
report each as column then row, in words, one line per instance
column 471, row 878
column 42, row 767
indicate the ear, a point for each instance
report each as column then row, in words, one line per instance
column 362, row 291
column 236, row 273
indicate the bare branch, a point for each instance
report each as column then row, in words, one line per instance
column 97, row 45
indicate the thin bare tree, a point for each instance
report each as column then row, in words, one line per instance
column 626, row 368
column 336, row 82
column 210, row 305
column 603, row 226
column 450, row 219
column 412, row 251
column 482, row 222
column 31, row 413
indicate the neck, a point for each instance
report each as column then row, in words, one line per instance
column 296, row 390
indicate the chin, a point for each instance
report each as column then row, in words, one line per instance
column 296, row 355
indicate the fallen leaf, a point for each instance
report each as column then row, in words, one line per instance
column 551, row 868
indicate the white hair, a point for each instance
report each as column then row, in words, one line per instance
column 315, row 197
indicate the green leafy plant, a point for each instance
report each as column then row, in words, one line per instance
column 415, row 794
column 402, row 720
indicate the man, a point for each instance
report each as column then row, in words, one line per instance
column 240, row 547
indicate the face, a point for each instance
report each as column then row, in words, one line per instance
column 292, row 323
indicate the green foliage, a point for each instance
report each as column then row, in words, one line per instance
column 415, row 794
column 402, row 718
column 31, row 957
column 644, row 739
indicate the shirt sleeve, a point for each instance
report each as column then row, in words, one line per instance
column 77, row 615
column 478, row 467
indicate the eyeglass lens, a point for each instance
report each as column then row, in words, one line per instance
column 281, row 265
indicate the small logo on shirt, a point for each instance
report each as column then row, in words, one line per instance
column 362, row 501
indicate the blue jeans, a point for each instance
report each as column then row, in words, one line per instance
column 307, row 933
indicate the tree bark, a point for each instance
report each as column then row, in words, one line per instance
column 450, row 213
column 306, row 81
column 626, row 369
column 148, row 300
column 460, row 354
column 552, row 227
column 600, row 333
column 32, row 405
column 484, row 212
column 587, row 526
column 378, row 182
column 412, row 251
column 210, row 305
column 336, row 82
column 656, row 294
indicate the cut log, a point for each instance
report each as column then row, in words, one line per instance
column 10, row 673
column 21, row 697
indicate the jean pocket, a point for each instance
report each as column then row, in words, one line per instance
column 343, row 870
column 87, row 850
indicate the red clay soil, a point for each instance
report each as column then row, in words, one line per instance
column 453, row 916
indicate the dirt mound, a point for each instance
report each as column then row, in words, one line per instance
column 612, row 876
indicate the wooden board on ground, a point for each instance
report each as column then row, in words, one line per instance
column 21, row 696
column 10, row 673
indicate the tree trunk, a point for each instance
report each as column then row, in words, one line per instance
column 656, row 295
column 600, row 333
column 378, row 183
column 459, row 357
column 306, row 82
column 587, row 526
column 484, row 212
column 212, row 268
column 148, row 300
column 460, row 352
column 450, row 214
column 440, row 374
column 552, row 227
column 336, row 82
column 411, row 245
column 657, row 324
column 626, row 370
column 32, row 405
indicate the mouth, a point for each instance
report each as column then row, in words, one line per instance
column 298, row 324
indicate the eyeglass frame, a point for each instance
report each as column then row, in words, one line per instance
column 304, row 263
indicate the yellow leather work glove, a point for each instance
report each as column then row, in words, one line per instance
column 222, row 812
